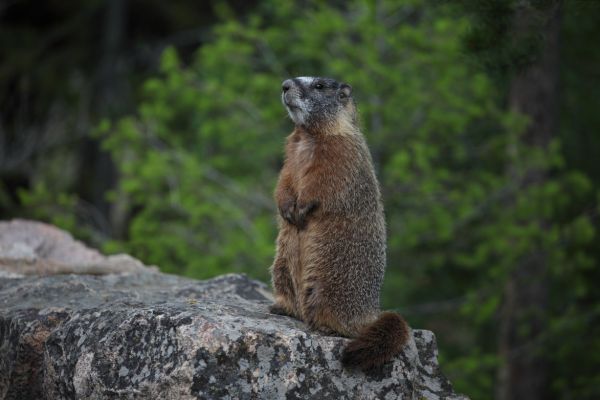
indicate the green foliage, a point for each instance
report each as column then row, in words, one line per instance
column 194, row 165
column 42, row 202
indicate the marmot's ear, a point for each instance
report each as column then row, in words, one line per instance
column 345, row 90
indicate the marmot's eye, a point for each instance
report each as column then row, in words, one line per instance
column 319, row 86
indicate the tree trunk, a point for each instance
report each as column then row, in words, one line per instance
column 533, row 92
column 110, row 99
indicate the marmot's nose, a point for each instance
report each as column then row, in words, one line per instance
column 286, row 85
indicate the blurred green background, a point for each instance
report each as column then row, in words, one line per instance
column 155, row 128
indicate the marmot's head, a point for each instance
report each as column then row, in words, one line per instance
column 319, row 104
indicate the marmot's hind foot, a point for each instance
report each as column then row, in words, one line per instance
column 326, row 331
column 279, row 310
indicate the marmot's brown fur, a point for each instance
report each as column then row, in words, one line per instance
column 330, row 258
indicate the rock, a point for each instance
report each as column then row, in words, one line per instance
column 141, row 334
column 28, row 247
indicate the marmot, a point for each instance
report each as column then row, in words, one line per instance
column 330, row 260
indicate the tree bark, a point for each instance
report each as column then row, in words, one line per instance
column 533, row 91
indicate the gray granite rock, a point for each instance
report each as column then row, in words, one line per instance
column 141, row 334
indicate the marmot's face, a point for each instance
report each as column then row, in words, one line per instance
column 312, row 101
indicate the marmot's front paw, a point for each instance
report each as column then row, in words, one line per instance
column 303, row 211
column 287, row 210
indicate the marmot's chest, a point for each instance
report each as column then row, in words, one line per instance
column 303, row 152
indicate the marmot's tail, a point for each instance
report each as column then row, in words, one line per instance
column 378, row 343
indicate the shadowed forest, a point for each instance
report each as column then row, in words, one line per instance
column 156, row 128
